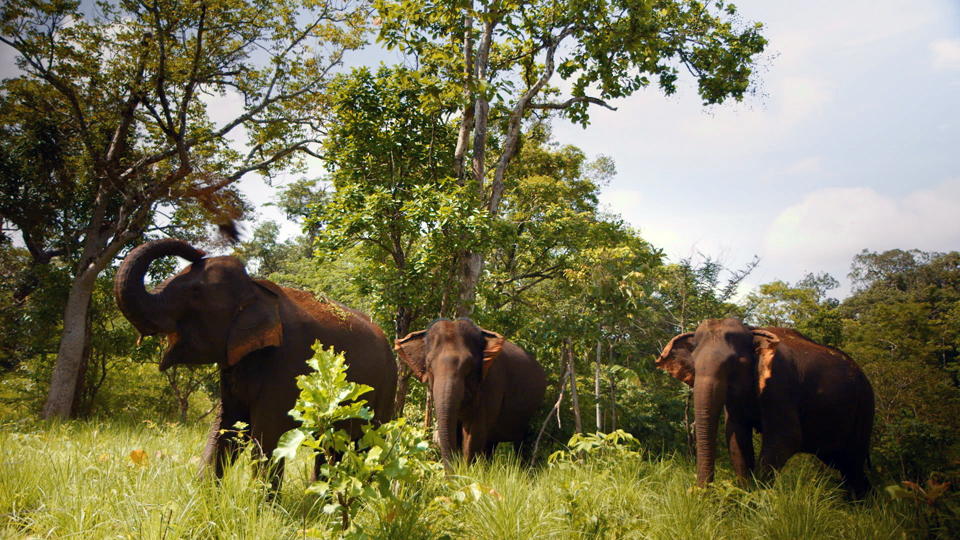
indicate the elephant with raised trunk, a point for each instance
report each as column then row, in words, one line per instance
column 800, row 395
column 479, row 380
column 258, row 333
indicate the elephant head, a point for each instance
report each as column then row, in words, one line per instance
column 453, row 358
column 211, row 312
column 726, row 363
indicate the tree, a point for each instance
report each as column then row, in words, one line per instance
column 385, row 153
column 901, row 325
column 496, row 60
column 392, row 201
column 126, row 85
column 693, row 290
column 804, row 306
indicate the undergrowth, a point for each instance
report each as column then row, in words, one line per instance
column 99, row 480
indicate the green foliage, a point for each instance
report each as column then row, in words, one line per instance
column 612, row 48
column 804, row 306
column 616, row 445
column 353, row 472
column 937, row 509
column 900, row 325
column 695, row 289
column 393, row 201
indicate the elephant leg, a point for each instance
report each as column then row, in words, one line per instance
column 474, row 444
column 855, row 480
column 740, row 441
column 222, row 444
column 266, row 432
column 776, row 449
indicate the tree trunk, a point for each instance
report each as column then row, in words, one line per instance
column 554, row 410
column 613, row 395
column 402, row 328
column 596, row 390
column 466, row 118
column 470, row 266
column 82, row 400
column 73, row 338
column 184, row 409
column 102, row 242
column 428, row 411
column 577, row 424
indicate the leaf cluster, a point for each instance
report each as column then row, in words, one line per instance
column 353, row 471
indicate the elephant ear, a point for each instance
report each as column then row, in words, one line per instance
column 412, row 350
column 491, row 350
column 676, row 358
column 766, row 345
column 256, row 325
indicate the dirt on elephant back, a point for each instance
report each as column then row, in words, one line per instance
column 323, row 307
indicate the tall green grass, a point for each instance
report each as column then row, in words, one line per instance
column 78, row 480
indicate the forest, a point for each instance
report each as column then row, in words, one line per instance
column 441, row 192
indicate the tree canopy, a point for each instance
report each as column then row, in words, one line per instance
column 123, row 90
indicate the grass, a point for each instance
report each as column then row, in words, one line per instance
column 78, row 480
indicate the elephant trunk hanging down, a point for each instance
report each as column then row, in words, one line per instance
column 800, row 395
column 258, row 333
column 480, row 381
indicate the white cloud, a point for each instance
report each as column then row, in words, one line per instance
column 831, row 225
column 945, row 54
column 806, row 167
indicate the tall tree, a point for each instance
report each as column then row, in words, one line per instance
column 497, row 61
column 388, row 155
column 692, row 290
column 128, row 83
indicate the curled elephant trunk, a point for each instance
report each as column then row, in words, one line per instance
column 149, row 313
column 709, row 395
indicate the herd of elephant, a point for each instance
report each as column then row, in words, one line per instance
column 801, row 396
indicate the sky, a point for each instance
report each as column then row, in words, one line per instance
column 852, row 142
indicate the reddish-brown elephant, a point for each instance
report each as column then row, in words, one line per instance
column 800, row 395
column 258, row 333
column 479, row 380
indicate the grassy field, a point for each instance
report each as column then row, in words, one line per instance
column 99, row 480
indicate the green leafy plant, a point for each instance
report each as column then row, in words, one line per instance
column 618, row 444
column 353, row 470
column 935, row 514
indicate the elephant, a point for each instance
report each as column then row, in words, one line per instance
column 258, row 333
column 479, row 380
column 800, row 395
